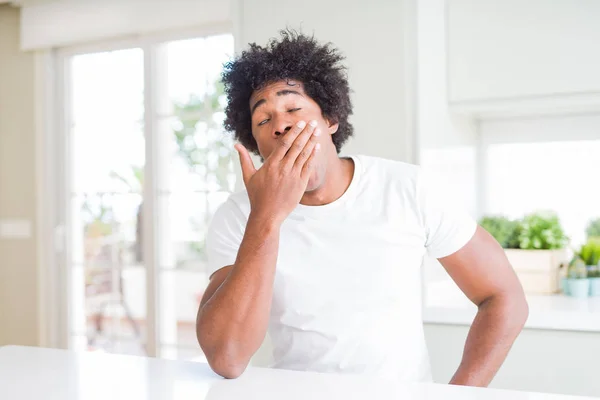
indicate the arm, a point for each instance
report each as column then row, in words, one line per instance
column 483, row 273
column 234, row 313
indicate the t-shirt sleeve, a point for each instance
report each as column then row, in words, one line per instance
column 448, row 227
column 224, row 236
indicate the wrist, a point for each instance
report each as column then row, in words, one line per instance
column 264, row 223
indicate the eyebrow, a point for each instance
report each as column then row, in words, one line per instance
column 280, row 93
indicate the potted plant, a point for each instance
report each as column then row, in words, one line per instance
column 540, row 253
column 593, row 228
column 578, row 284
column 590, row 256
column 505, row 230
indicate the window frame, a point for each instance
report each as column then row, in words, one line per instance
column 57, row 183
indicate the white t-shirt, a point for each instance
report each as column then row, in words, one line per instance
column 347, row 291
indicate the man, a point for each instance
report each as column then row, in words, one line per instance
column 324, row 252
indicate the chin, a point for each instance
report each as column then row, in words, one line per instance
column 314, row 182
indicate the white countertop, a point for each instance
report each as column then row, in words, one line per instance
column 33, row 374
column 446, row 304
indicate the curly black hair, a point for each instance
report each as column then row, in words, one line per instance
column 294, row 57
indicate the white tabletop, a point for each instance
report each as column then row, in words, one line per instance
column 32, row 373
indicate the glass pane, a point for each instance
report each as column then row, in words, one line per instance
column 107, row 128
column 114, row 306
column 181, row 292
column 106, row 164
column 108, row 230
column 195, row 177
column 108, row 86
column 527, row 177
column 183, row 224
column 195, row 65
column 201, row 154
column 108, row 158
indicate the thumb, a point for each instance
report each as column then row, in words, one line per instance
column 246, row 162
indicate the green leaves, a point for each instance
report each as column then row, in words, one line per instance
column 542, row 231
column 590, row 251
column 593, row 228
column 200, row 138
column 504, row 230
column 536, row 231
column 577, row 269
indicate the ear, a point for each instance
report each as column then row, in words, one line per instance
column 333, row 125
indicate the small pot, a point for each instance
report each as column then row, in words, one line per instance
column 564, row 285
column 594, row 286
column 579, row 288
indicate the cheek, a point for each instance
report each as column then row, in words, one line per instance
column 265, row 147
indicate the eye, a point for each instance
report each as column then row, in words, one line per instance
column 263, row 122
column 294, row 109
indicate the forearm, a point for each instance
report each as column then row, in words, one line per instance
column 498, row 322
column 233, row 322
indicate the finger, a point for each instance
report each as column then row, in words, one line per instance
column 301, row 141
column 309, row 165
column 246, row 162
column 306, row 152
column 286, row 141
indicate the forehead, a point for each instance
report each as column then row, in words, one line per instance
column 271, row 89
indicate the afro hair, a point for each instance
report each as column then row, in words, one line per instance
column 294, row 56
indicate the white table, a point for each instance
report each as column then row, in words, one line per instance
column 42, row 374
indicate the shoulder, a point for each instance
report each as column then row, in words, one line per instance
column 238, row 200
column 398, row 169
column 394, row 174
column 232, row 213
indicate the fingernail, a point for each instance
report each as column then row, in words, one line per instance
column 318, row 146
column 317, row 132
column 313, row 123
column 301, row 124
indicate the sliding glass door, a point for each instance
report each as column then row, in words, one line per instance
column 146, row 164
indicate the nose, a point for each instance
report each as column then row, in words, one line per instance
column 281, row 124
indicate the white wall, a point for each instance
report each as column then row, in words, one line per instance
column 18, row 264
column 541, row 129
column 59, row 23
column 371, row 36
column 438, row 128
column 447, row 142
column 540, row 361
column 510, row 48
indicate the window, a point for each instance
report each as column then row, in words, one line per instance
column 559, row 176
column 520, row 166
column 147, row 163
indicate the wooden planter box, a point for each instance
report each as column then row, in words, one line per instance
column 538, row 270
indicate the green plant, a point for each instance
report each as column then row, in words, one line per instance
column 590, row 251
column 593, row 271
column 542, row 231
column 503, row 229
column 593, row 228
column 201, row 140
column 577, row 268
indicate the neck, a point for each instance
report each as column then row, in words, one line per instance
column 338, row 177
